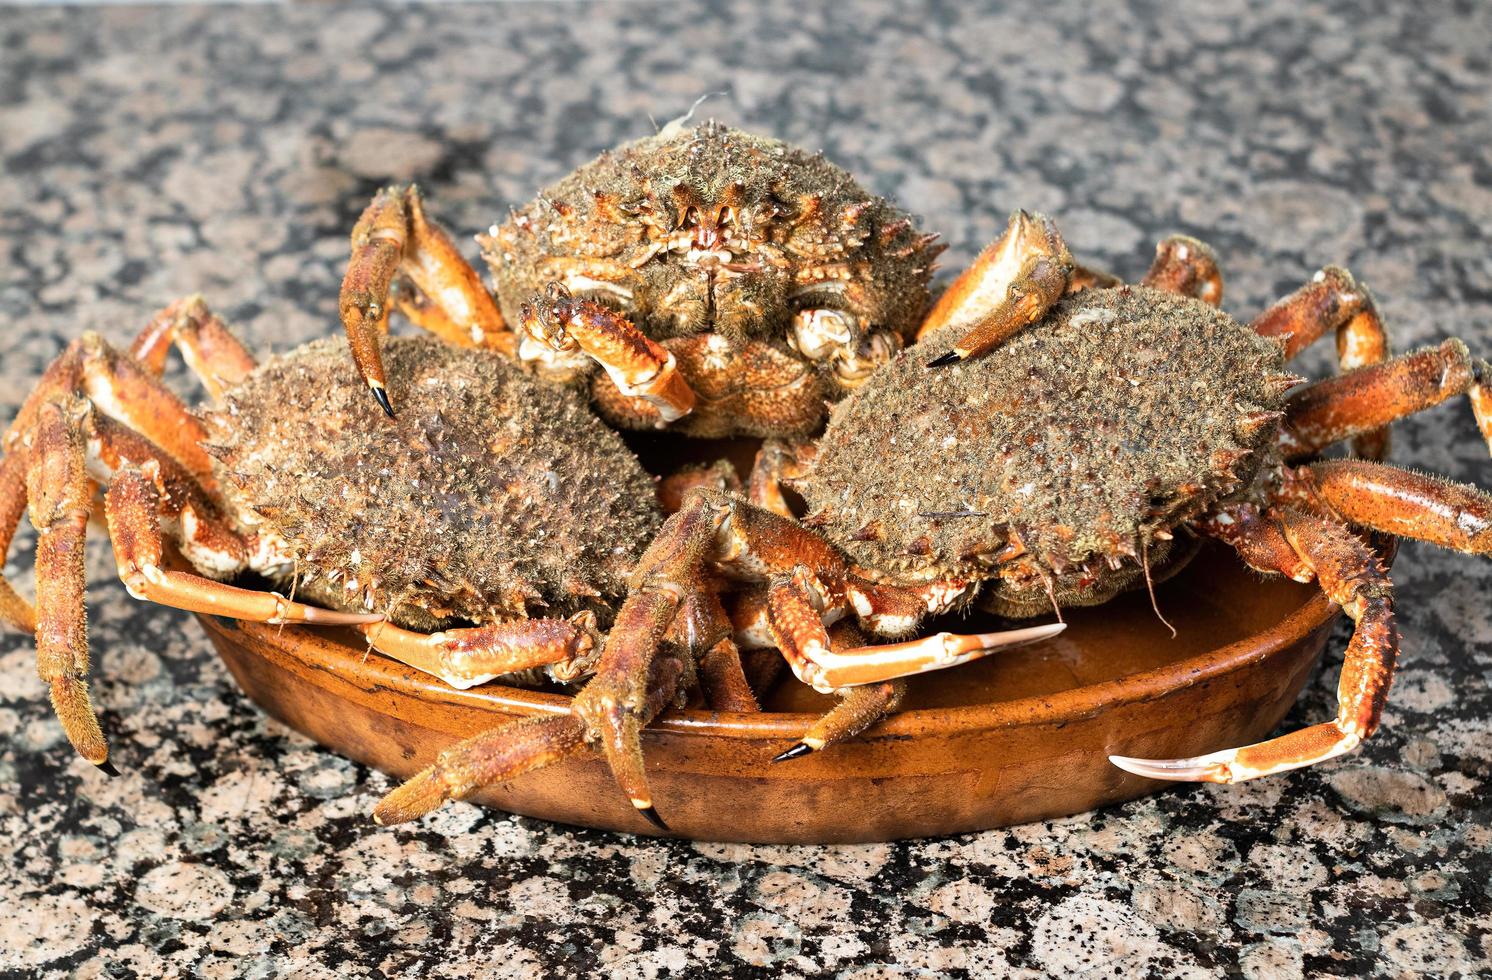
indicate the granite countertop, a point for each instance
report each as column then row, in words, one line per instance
column 149, row 153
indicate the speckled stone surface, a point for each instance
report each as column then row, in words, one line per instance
column 151, row 153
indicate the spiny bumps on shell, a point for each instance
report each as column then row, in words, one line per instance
column 491, row 495
column 1121, row 414
column 807, row 224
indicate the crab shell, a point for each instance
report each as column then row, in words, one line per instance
column 1054, row 467
column 715, row 231
column 492, row 495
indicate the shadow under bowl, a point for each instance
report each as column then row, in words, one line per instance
column 1018, row 736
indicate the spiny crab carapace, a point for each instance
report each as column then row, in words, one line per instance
column 1049, row 445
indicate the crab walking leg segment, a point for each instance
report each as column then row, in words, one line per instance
column 777, row 462
column 614, row 704
column 13, row 609
column 505, row 753
column 1333, row 302
column 470, row 656
column 1394, row 501
column 723, row 677
column 60, row 499
column 638, row 367
column 1187, row 266
column 857, row 710
column 393, row 236
column 1013, row 283
column 797, row 606
column 135, row 506
column 1350, row 575
column 209, row 348
column 1086, row 277
column 1364, row 399
column 123, row 390
column 715, row 533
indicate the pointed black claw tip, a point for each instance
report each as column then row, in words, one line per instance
column 943, row 360
column 383, row 400
column 652, row 816
column 107, row 768
column 800, row 749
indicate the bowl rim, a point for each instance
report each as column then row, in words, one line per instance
column 1315, row 613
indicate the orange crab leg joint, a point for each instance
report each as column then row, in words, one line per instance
column 466, row 657
column 1369, row 397
column 1333, row 301
column 1186, row 266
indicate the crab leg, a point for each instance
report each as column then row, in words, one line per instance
column 135, row 505
column 61, row 497
column 1187, row 266
column 209, row 348
column 1333, row 301
column 470, row 656
column 1394, row 501
column 505, row 753
column 777, row 462
column 394, row 236
column 1350, row 575
column 638, row 367
column 13, row 609
column 1013, row 283
column 714, row 531
column 122, row 389
column 796, row 607
column 857, row 710
column 1365, row 399
column 723, row 677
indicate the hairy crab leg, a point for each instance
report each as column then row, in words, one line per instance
column 474, row 655
column 505, row 753
column 13, row 609
column 392, row 237
column 209, row 348
column 797, row 605
column 723, row 678
column 1333, row 302
column 135, row 504
column 60, row 499
column 1013, row 283
column 716, row 532
column 123, row 390
column 639, row 368
column 1350, row 575
column 857, row 710
column 1186, row 266
column 1364, row 399
column 1395, row 501
column 777, row 462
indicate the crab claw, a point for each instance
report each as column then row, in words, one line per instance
column 827, row 671
column 1293, row 751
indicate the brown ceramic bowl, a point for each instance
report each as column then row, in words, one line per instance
column 1019, row 736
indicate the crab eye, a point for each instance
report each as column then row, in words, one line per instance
column 818, row 333
column 727, row 216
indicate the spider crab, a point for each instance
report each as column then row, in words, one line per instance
column 1046, row 444
column 418, row 536
column 703, row 279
